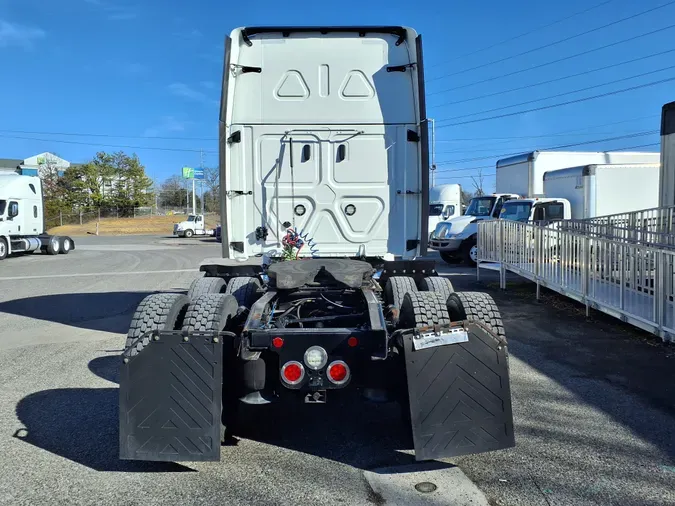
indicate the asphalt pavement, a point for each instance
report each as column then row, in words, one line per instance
column 593, row 401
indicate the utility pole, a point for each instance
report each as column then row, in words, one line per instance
column 433, row 152
column 201, row 181
column 194, row 203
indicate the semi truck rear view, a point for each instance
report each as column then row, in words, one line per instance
column 322, row 286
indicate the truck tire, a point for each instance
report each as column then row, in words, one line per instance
column 188, row 233
column 202, row 286
column 396, row 288
column 54, row 245
column 470, row 252
column 158, row 311
column 3, row 248
column 423, row 309
column 476, row 307
column 437, row 284
column 448, row 258
column 244, row 289
column 65, row 245
column 210, row 312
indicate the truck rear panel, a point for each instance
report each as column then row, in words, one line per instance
column 322, row 130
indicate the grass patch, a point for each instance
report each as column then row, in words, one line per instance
column 129, row 226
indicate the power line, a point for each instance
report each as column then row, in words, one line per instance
column 541, row 83
column 492, row 174
column 563, row 94
column 525, row 34
column 551, row 62
column 453, row 171
column 484, row 150
column 552, row 106
column 551, row 44
column 562, row 134
column 106, row 145
column 112, row 136
column 562, row 146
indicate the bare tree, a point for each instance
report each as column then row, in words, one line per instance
column 478, row 183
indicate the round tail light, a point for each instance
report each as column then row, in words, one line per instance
column 338, row 372
column 316, row 357
column 292, row 372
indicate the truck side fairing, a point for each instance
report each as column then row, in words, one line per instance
column 323, row 130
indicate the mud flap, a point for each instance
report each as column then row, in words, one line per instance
column 460, row 395
column 171, row 398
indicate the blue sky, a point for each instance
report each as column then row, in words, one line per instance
column 148, row 68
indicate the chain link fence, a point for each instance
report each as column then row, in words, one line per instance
column 84, row 215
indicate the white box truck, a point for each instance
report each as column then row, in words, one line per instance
column 602, row 189
column 445, row 202
column 22, row 221
column 524, row 174
column 323, row 129
column 520, row 176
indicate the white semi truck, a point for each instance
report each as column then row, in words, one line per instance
column 22, row 220
column 193, row 225
column 445, row 202
column 323, row 285
column 520, row 176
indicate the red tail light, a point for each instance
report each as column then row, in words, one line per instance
column 338, row 372
column 278, row 342
column 292, row 372
column 352, row 341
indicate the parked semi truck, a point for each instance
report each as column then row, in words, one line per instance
column 321, row 288
column 22, row 220
column 518, row 177
column 445, row 202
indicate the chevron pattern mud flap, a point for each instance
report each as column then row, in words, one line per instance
column 170, row 400
column 460, row 395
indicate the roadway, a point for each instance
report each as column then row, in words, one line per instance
column 594, row 401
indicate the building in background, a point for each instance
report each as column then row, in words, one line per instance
column 41, row 165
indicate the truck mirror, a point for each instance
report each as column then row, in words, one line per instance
column 13, row 210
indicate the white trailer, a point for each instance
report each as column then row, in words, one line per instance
column 445, row 202
column 603, row 189
column 22, row 220
column 524, row 174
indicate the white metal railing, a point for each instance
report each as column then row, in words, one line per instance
column 636, row 235
column 628, row 280
column 657, row 219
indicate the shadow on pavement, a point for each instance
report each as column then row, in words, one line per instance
column 346, row 429
column 107, row 367
column 80, row 424
column 106, row 311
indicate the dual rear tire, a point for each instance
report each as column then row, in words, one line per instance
column 206, row 312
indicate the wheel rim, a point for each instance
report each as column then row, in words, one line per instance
column 3, row 249
column 473, row 253
column 66, row 245
column 55, row 244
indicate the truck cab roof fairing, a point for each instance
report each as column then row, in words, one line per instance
column 250, row 31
